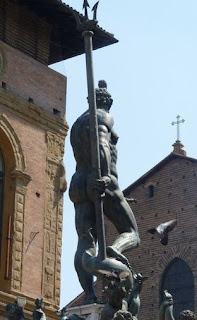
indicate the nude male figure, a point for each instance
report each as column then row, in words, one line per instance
column 82, row 188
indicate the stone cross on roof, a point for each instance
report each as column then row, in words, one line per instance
column 178, row 128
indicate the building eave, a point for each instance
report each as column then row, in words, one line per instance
column 66, row 41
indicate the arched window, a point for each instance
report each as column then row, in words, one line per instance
column 2, row 174
column 178, row 280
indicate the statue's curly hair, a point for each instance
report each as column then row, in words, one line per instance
column 102, row 95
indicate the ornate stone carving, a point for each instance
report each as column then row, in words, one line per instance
column 55, row 147
column 20, row 181
column 53, row 219
column 63, row 183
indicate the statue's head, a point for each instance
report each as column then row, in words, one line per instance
column 123, row 315
column 39, row 303
column 139, row 279
column 62, row 313
column 14, row 311
column 115, row 291
column 167, row 295
column 187, row 315
column 103, row 97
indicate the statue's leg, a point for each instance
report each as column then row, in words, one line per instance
column 85, row 219
column 119, row 212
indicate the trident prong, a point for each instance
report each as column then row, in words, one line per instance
column 88, row 24
column 94, row 9
column 83, row 22
column 86, row 6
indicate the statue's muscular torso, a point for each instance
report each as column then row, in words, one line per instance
column 80, row 141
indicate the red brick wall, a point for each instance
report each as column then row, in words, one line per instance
column 24, row 30
column 29, row 78
column 175, row 189
column 26, row 78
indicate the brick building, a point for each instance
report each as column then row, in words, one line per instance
column 168, row 191
column 34, row 34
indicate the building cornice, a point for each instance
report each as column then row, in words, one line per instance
column 6, row 298
column 32, row 113
column 61, row 20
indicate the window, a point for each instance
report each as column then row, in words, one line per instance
column 151, row 191
column 2, row 173
column 178, row 280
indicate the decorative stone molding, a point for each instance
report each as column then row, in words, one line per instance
column 23, row 177
column 53, row 220
column 7, row 128
column 55, row 147
column 20, row 181
column 6, row 298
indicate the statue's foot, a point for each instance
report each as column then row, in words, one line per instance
column 114, row 253
column 90, row 299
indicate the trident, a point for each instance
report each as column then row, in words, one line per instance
column 87, row 27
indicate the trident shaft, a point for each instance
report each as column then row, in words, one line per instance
column 87, row 26
column 95, row 152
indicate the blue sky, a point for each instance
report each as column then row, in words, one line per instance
column 152, row 76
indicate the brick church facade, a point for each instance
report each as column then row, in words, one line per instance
column 168, row 191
